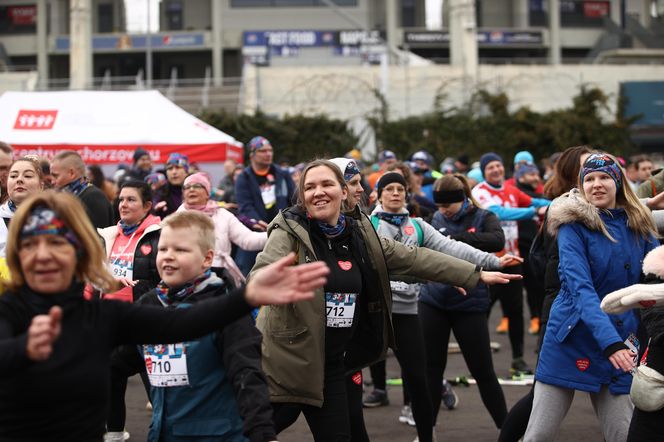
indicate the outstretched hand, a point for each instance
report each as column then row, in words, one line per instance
column 634, row 296
column 508, row 260
column 43, row 331
column 656, row 202
column 491, row 278
column 283, row 283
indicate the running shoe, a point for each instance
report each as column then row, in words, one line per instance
column 503, row 327
column 377, row 398
column 449, row 397
column 406, row 416
column 534, row 326
column 520, row 366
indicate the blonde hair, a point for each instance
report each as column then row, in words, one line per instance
column 639, row 217
column 91, row 259
column 455, row 181
column 191, row 219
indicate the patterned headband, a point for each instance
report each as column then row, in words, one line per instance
column 601, row 162
column 351, row 170
column 44, row 221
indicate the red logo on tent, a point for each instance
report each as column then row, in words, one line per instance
column 35, row 119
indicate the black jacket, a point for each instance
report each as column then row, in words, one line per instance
column 97, row 207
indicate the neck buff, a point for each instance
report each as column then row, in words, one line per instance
column 76, row 186
column 396, row 219
column 210, row 208
column 44, row 221
column 129, row 229
column 168, row 295
column 331, row 231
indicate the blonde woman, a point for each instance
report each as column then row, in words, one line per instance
column 603, row 234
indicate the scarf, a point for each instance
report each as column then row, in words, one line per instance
column 76, row 186
column 209, row 209
column 168, row 295
column 465, row 208
column 11, row 206
column 396, row 219
column 128, row 229
column 331, row 231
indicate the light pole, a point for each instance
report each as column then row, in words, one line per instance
column 148, row 52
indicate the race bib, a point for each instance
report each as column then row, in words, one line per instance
column 398, row 286
column 340, row 309
column 166, row 364
column 269, row 195
column 122, row 269
column 632, row 343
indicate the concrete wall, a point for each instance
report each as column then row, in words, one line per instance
column 349, row 92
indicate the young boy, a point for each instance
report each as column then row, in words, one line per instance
column 213, row 388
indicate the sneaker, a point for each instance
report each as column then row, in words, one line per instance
column 503, row 327
column 449, row 397
column 377, row 398
column 148, row 406
column 534, row 326
column 114, row 436
column 520, row 366
column 406, row 416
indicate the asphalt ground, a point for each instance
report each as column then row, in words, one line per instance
column 468, row 422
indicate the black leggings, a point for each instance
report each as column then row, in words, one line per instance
column 511, row 300
column 411, row 354
column 533, row 283
column 327, row 423
column 472, row 334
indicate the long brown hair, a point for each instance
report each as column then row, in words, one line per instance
column 91, row 260
column 566, row 171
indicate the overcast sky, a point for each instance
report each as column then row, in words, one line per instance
column 137, row 14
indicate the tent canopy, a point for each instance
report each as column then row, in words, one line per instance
column 106, row 127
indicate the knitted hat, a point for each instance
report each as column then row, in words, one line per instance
column 178, row 159
column 487, row 158
column 422, row 155
column 389, row 178
column 524, row 157
column 524, row 169
column 155, row 179
column 385, row 155
column 138, row 153
column 602, row 162
column 256, row 143
column 198, row 178
column 475, row 174
column 347, row 166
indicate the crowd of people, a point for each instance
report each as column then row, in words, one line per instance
column 161, row 272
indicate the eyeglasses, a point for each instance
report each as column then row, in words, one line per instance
column 194, row 186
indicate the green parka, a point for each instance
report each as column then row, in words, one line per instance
column 294, row 334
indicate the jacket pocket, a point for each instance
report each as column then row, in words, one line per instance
column 566, row 326
column 289, row 336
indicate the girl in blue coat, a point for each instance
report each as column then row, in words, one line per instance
column 603, row 235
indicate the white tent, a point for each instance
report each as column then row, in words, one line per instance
column 106, row 127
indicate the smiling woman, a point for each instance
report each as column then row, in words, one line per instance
column 55, row 346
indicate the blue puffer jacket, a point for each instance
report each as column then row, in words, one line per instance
column 579, row 336
column 480, row 229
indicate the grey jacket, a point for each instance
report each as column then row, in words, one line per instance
column 405, row 294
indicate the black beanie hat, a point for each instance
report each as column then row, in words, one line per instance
column 488, row 158
column 389, row 178
column 138, row 153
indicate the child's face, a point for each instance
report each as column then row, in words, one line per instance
column 179, row 258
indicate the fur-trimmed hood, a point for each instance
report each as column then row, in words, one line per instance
column 571, row 207
column 653, row 263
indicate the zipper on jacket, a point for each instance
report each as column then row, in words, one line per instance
column 329, row 244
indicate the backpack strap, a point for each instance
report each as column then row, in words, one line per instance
column 374, row 222
column 418, row 229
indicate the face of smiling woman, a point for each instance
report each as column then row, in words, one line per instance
column 323, row 194
column 48, row 263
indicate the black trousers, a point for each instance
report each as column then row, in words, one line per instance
column 330, row 422
column 646, row 426
column 533, row 283
column 472, row 333
column 411, row 354
column 511, row 298
column 120, row 372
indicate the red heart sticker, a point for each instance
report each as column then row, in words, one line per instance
column 472, row 230
column 345, row 265
column 409, row 230
column 146, row 249
column 357, row 378
column 583, row 364
column 647, row 304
